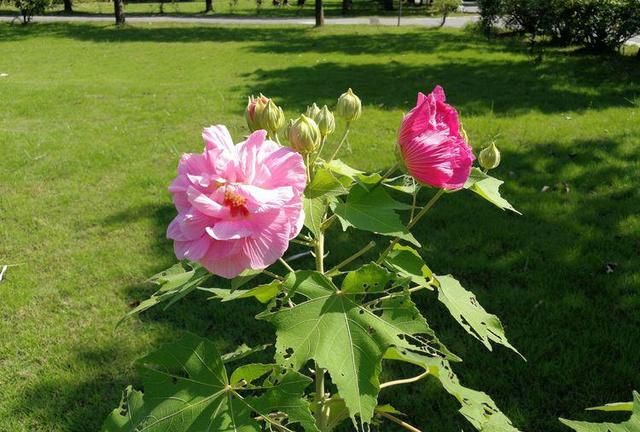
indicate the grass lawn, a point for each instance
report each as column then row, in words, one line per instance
column 93, row 120
column 231, row 8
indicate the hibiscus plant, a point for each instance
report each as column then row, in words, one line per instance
column 336, row 324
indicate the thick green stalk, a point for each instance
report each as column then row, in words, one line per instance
column 319, row 398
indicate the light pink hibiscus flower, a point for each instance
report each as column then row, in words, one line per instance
column 238, row 205
column 431, row 145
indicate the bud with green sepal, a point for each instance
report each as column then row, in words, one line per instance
column 489, row 157
column 271, row 118
column 313, row 111
column 326, row 122
column 349, row 106
column 254, row 110
column 304, row 135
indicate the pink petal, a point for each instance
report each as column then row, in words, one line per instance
column 206, row 205
column 231, row 229
column 193, row 250
column 261, row 200
column 269, row 244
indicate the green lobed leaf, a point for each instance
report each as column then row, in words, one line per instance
column 631, row 425
column 373, row 211
column 477, row 407
column 340, row 168
column 175, row 283
column 263, row 293
column 244, row 278
column 464, row 307
column 407, row 262
column 187, row 389
column 327, row 182
column 370, row 278
column 314, row 211
column 488, row 188
column 348, row 337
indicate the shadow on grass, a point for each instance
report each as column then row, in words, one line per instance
column 504, row 85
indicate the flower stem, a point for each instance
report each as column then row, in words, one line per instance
column 319, row 379
column 411, row 224
column 402, row 423
column 287, row 266
column 353, row 257
column 342, row 140
column 404, row 381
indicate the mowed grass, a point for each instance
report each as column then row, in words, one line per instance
column 93, row 120
column 231, row 8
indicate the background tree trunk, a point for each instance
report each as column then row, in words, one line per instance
column 347, row 6
column 118, row 8
column 319, row 13
column 68, row 6
column 208, row 6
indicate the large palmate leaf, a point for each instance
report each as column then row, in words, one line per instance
column 488, row 188
column 327, row 182
column 175, row 282
column 477, row 407
column 263, row 293
column 631, row 425
column 186, row 388
column 464, row 307
column 373, row 210
column 347, row 336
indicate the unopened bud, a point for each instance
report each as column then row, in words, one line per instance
column 489, row 157
column 312, row 111
column 349, row 106
column 271, row 118
column 326, row 122
column 255, row 106
column 304, row 135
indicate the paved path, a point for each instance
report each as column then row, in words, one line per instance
column 455, row 22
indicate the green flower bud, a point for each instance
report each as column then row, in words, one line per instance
column 255, row 107
column 489, row 157
column 271, row 118
column 304, row 135
column 326, row 122
column 313, row 111
column 349, row 106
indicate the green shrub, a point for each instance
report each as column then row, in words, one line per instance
column 597, row 24
column 445, row 7
column 29, row 8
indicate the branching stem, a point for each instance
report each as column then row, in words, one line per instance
column 284, row 263
column 404, row 381
column 342, row 140
column 411, row 224
column 334, row 270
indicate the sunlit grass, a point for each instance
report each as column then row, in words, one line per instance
column 93, row 120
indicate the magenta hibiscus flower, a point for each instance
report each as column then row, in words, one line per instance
column 431, row 144
column 238, row 205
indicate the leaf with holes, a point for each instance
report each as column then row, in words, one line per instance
column 186, row 388
column 477, row 407
column 346, row 336
column 373, row 211
column 631, row 425
column 488, row 188
column 464, row 307
column 407, row 262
